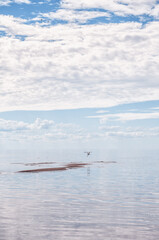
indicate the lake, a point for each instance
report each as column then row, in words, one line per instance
column 114, row 196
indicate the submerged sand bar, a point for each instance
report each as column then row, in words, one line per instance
column 43, row 170
column 66, row 167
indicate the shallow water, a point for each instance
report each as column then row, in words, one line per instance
column 100, row 201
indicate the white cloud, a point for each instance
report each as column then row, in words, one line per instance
column 7, row 2
column 71, row 66
column 123, row 7
column 126, row 116
column 22, row 1
column 74, row 16
column 102, row 111
column 8, row 125
column 155, row 11
column 40, row 130
column 11, row 126
column 49, row 131
column 132, row 132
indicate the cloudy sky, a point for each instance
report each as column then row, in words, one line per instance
column 79, row 72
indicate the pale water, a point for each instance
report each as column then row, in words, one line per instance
column 98, row 202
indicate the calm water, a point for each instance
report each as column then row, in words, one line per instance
column 104, row 201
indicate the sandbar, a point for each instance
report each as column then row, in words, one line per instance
column 43, row 170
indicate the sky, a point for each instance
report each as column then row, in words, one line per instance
column 79, row 73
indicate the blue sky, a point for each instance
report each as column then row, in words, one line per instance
column 79, row 73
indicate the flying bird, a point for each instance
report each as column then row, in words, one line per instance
column 88, row 153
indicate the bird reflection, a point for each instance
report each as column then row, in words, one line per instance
column 88, row 171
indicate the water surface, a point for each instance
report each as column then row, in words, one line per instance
column 99, row 201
